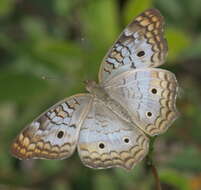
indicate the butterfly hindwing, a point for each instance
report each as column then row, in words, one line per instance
column 54, row 134
column 108, row 141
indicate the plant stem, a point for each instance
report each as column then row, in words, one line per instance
column 155, row 174
column 150, row 164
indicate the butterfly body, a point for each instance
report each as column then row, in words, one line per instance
column 99, row 93
column 110, row 125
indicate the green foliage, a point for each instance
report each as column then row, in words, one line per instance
column 6, row 7
column 101, row 26
column 182, row 163
column 178, row 41
column 135, row 7
column 176, row 179
column 64, row 42
column 101, row 181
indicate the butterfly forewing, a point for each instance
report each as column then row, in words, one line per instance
column 108, row 141
column 140, row 45
column 149, row 96
column 54, row 134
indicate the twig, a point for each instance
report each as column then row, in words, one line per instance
column 151, row 166
column 155, row 174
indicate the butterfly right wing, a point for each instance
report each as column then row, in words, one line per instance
column 54, row 134
column 149, row 95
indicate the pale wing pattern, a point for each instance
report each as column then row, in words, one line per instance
column 54, row 134
column 140, row 45
column 149, row 95
column 107, row 141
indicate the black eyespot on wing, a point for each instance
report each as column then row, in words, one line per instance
column 60, row 134
column 126, row 140
column 101, row 145
column 154, row 91
column 140, row 53
column 149, row 114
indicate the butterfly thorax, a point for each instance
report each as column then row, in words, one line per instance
column 96, row 90
column 99, row 93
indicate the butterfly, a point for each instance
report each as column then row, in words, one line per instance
column 110, row 126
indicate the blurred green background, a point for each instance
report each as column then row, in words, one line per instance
column 66, row 40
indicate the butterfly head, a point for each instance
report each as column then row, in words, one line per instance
column 95, row 89
column 91, row 85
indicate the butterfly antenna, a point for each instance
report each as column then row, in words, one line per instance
column 54, row 78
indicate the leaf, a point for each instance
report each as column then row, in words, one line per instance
column 20, row 87
column 194, row 50
column 6, row 7
column 62, row 7
column 134, row 8
column 100, row 22
column 34, row 28
column 50, row 167
column 172, row 8
column 187, row 160
column 101, row 181
column 178, row 41
column 101, row 29
column 174, row 178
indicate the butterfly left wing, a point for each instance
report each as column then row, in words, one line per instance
column 54, row 134
column 106, row 140
column 140, row 45
column 149, row 95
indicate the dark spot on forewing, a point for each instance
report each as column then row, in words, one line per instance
column 72, row 126
column 133, row 66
